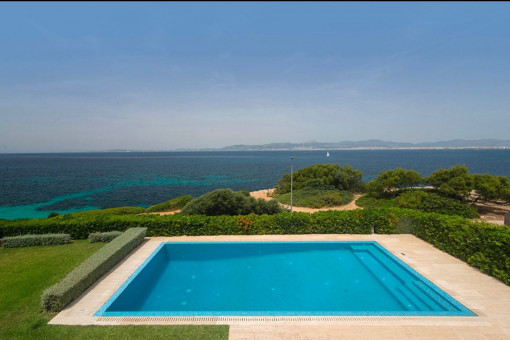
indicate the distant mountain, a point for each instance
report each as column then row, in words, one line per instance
column 374, row 144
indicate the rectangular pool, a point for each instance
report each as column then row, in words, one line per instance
column 277, row 278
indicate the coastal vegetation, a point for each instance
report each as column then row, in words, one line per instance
column 450, row 191
column 320, row 185
column 316, row 198
column 426, row 200
column 322, row 176
column 171, row 205
column 228, row 202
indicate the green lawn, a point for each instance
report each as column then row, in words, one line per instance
column 26, row 272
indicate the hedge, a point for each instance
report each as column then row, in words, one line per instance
column 337, row 222
column 482, row 245
column 103, row 237
column 55, row 298
column 35, row 240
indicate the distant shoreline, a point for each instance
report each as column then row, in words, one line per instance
column 263, row 150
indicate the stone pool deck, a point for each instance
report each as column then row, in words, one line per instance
column 484, row 295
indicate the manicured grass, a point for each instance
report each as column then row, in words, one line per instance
column 316, row 198
column 26, row 272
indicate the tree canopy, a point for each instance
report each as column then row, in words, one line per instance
column 393, row 179
column 323, row 176
column 455, row 181
column 228, row 202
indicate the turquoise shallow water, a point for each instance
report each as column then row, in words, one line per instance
column 33, row 185
column 278, row 278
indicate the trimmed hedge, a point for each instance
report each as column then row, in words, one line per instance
column 103, row 237
column 482, row 245
column 55, row 298
column 35, row 240
column 338, row 222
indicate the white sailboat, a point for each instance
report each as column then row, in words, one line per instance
column 327, row 154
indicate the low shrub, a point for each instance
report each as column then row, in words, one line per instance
column 171, row 205
column 368, row 201
column 434, row 203
column 228, row 202
column 35, row 240
column 103, row 237
column 55, row 298
column 106, row 212
column 316, row 198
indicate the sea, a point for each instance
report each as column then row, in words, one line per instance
column 34, row 185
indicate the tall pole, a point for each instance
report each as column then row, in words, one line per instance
column 291, row 180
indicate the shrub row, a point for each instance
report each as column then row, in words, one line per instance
column 480, row 244
column 35, row 240
column 103, row 237
column 337, row 222
column 56, row 297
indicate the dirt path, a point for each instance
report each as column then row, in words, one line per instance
column 161, row 213
column 492, row 212
column 264, row 194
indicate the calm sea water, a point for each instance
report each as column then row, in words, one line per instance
column 33, row 185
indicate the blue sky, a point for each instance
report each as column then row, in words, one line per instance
column 162, row 76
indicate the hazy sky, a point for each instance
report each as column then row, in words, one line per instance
column 161, row 76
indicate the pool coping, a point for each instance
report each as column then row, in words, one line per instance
column 482, row 294
column 461, row 310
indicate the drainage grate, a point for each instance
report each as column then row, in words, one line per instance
column 357, row 319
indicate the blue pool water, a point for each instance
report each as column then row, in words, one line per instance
column 277, row 278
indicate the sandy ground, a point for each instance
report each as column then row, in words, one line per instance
column 164, row 212
column 492, row 212
column 265, row 194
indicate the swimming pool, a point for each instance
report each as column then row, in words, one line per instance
column 277, row 278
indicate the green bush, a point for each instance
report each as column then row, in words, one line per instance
column 53, row 214
column 228, row 202
column 35, row 240
column 368, row 201
column 316, row 198
column 103, row 237
column 455, row 181
column 322, row 176
column 106, row 212
column 171, row 205
column 482, row 245
column 492, row 187
column 431, row 202
column 194, row 225
column 55, row 298
column 390, row 180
